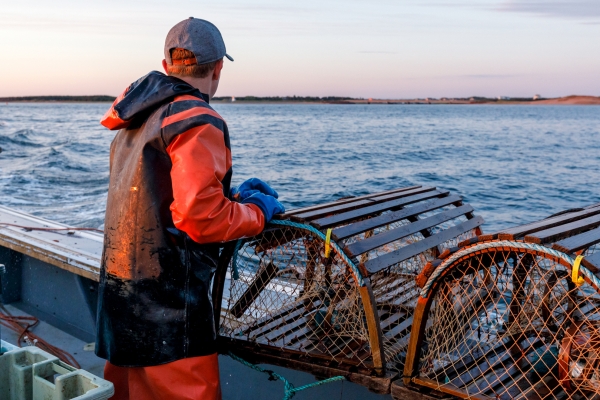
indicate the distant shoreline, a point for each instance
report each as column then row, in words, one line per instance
column 58, row 99
column 567, row 100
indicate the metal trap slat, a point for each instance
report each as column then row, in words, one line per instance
column 483, row 375
column 400, row 298
column 278, row 320
column 520, row 231
column 563, row 231
column 359, row 227
column 336, row 209
column 578, row 242
column 276, row 336
column 467, row 363
column 404, row 253
column 350, row 199
column 401, row 287
column 370, row 210
column 384, row 238
column 592, row 262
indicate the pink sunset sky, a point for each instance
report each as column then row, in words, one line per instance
column 376, row 48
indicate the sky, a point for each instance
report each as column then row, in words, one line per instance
column 377, row 48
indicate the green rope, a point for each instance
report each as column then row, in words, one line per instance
column 234, row 267
column 334, row 245
column 289, row 389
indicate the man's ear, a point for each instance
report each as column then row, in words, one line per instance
column 217, row 71
column 164, row 63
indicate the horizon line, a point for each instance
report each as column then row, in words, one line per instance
column 107, row 97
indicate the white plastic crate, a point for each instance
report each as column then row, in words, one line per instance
column 4, row 347
column 30, row 373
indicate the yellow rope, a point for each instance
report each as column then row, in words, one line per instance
column 577, row 280
column 328, row 243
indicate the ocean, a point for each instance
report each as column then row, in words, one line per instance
column 514, row 164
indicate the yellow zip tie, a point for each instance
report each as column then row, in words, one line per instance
column 328, row 243
column 577, row 280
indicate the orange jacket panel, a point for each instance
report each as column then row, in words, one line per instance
column 200, row 209
column 111, row 119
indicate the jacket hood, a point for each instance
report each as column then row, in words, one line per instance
column 145, row 95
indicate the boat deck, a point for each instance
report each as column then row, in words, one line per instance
column 53, row 276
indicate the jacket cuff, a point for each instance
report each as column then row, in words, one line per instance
column 260, row 212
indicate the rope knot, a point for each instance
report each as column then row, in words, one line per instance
column 272, row 376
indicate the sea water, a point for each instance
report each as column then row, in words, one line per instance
column 514, row 164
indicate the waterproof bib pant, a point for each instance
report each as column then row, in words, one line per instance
column 195, row 378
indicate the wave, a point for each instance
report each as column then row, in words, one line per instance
column 23, row 138
column 512, row 164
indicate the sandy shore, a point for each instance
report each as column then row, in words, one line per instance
column 570, row 100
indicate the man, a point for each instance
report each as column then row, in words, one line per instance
column 168, row 209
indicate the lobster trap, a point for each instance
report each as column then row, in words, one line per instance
column 330, row 288
column 515, row 315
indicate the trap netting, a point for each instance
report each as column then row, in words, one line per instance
column 509, row 320
column 394, row 288
column 293, row 289
column 293, row 292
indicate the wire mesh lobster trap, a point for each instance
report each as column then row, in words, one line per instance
column 330, row 288
column 515, row 315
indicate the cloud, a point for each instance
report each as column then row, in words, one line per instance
column 475, row 77
column 377, row 52
column 488, row 76
column 571, row 9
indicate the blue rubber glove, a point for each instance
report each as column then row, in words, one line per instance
column 269, row 205
column 250, row 187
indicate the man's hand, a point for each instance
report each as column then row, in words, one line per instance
column 250, row 187
column 269, row 205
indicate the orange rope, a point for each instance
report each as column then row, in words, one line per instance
column 22, row 325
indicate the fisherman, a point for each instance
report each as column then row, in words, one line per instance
column 169, row 209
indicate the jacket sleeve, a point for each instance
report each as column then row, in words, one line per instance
column 200, row 208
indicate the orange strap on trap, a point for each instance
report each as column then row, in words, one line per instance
column 577, row 280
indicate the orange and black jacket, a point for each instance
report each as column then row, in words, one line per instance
column 167, row 212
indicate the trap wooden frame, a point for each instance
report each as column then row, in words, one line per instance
column 388, row 237
column 566, row 235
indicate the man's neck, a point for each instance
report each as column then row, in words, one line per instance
column 204, row 85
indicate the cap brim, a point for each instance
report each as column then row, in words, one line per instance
column 228, row 57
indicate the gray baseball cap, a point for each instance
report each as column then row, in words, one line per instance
column 198, row 36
